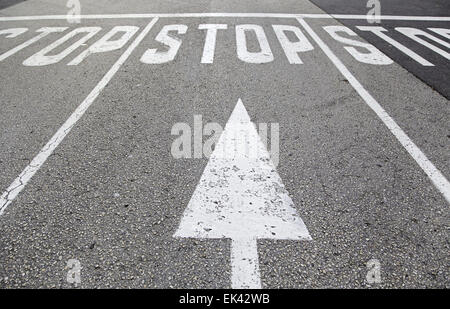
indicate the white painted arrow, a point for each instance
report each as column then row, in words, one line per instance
column 241, row 196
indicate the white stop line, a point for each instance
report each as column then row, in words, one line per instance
column 245, row 15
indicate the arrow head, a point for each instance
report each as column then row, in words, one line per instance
column 240, row 194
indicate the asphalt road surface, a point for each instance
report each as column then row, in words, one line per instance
column 96, row 195
column 436, row 68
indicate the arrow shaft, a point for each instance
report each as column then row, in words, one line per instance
column 244, row 264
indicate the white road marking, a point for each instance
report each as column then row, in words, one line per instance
column 13, row 32
column 414, row 33
column 240, row 196
column 379, row 32
column 210, row 40
column 42, row 58
column 374, row 56
column 199, row 15
column 105, row 44
column 44, row 32
column 245, row 264
column 264, row 54
column 441, row 31
column 21, row 181
column 154, row 56
column 291, row 49
column 436, row 177
column 389, row 17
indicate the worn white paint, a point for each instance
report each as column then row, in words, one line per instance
column 373, row 56
column 291, row 49
column 240, row 196
column 42, row 57
column 13, row 32
column 436, row 177
column 105, row 44
column 43, row 33
column 22, row 180
column 245, row 264
column 415, row 34
column 381, row 17
column 378, row 31
column 233, row 15
column 210, row 40
column 152, row 56
column 441, row 31
column 263, row 56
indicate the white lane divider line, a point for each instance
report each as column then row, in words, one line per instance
column 436, row 177
column 233, row 15
column 240, row 196
column 21, row 181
